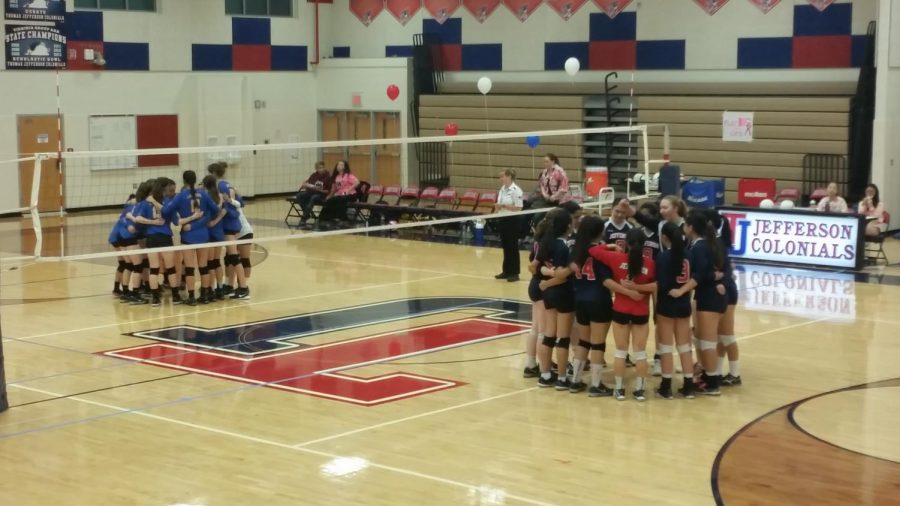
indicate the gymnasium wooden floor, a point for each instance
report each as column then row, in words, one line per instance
column 376, row 371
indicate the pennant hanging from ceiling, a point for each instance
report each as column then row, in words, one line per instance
column 441, row 10
column 612, row 8
column 403, row 10
column 522, row 8
column 566, row 8
column 765, row 5
column 366, row 10
column 711, row 6
column 481, row 9
column 821, row 4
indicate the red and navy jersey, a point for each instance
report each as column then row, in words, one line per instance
column 670, row 276
column 703, row 268
column 532, row 256
column 618, row 265
column 615, row 234
column 559, row 258
column 651, row 244
column 588, row 283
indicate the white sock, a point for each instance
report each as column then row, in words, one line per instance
column 620, row 382
column 734, row 368
column 596, row 373
column 720, row 365
column 546, row 375
column 531, row 361
column 577, row 368
column 639, row 383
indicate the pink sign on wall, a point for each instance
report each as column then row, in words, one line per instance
column 711, row 6
column 441, row 10
column 522, row 8
column 366, row 10
column 403, row 10
column 821, row 4
column 612, row 8
column 481, row 9
column 765, row 5
column 566, row 8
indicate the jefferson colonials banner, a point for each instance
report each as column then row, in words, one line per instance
column 825, row 240
column 35, row 47
column 35, row 10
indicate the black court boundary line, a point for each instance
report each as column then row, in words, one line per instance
column 104, row 389
column 714, row 474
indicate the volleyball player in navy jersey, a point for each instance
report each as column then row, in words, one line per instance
column 673, row 314
column 559, row 302
column 192, row 210
column 123, row 271
column 727, row 340
column 616, row 228
column 232, row 225
column 706, row 263
column 159, row 235
column 651, row 244
column 532, row 368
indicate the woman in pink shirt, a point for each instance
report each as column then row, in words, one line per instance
column 871, row 206
column 343, row 190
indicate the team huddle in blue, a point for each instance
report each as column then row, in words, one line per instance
column 203, row 216
column 666, row 264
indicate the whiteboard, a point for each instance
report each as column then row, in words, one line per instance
column 111, row 133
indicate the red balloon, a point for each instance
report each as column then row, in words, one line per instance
column 393, row 92
column 451, row 129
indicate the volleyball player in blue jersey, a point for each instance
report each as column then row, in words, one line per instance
column 123, row 271
column 232, row 226
column 159, row 235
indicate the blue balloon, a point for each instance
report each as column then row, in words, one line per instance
column 532, row 141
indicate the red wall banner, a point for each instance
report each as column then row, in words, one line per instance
column 403, row 10
column 522, row 8
column 711, row 6
column 441, row 10
column 612, row 8
column 366, row 10
column 566, row 8
column 765, row 5
column 481, row 9
column 821, row 4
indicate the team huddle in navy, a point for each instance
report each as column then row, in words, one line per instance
column 657, row 262
column 203, row 215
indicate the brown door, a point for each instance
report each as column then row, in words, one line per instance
column 387, row 158
column 334, row 127
column 39, row 134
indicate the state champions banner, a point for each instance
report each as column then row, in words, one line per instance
column 51, row 11
column 34, row 47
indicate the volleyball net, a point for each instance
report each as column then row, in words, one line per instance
column 71, row 200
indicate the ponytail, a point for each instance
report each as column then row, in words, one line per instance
column 589, row 229
column 673, row 233
column 703, row 227
column 634, row 241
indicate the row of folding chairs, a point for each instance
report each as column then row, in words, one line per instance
column 432, row 198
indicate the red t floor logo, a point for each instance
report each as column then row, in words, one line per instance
column 267, row 353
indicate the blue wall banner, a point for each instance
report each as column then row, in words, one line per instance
column 53, row 11
column 35, row 47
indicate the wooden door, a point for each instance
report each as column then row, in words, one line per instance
column 387, row 157
column 39, row 134
column 333, row 129
column 361, row 156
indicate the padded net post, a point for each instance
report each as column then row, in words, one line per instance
column 4, row 401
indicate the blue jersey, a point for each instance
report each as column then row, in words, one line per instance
column 615, row 234
column 651, row 244
column 120, row 228
column 703, row 269
column 669, row 277
column 225, row 188
column 139, row 210
column 183, row 205
column 559, row 258
column 150, row 212
column 589, row 280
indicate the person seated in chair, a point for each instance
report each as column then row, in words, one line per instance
column 872, row 207
column 832, row 203
column 315, row 190
column 343, row 191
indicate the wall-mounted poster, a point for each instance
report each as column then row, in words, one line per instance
column 612, row 8
column 441, row 10
column 35, row 47
column 403, row 10
column 765, row 5
column 481, row 9
column 737, row 126
column 566, row 8
column 35, row 10
column 366, row 10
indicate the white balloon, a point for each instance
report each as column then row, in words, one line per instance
column 572, row 66
column 766, row 204
column 484, row 85
column 787, row 204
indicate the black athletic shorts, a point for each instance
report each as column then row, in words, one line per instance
column 560, row 298
column 534, row 291
column 710, row 300
column 159, row 240
column 673, row 308
column 591, row 311
column 731, row 291
column 246, row 236
column 629, row 319
column 232, row 232
column 124, row 243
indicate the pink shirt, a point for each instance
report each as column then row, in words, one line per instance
column 835, row 205
column 345, row 184
column 866, row 209
column 554, row 184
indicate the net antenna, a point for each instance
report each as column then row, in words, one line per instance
column 649, row 182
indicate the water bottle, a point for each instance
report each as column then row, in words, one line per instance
column 479, row 232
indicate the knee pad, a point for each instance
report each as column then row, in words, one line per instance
column 121, row 267
column 232, row 260
column 245, row 261
column 563, row 342
column 584, row 344
column 145, row 263
column 170, row 271
column 623, row 354
column 129, row 266
column 189, row 271
column 684, row 348
column 640, row 355
column 599, row 347
column 215, row 263
column 727, row 340
column 549, row 342
column 154, row 271
column 707, row 345
column 203, row 270
column 664, row 348
column 696, row 342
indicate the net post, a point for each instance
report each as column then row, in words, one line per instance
column 4, row 400
column 33, row 205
